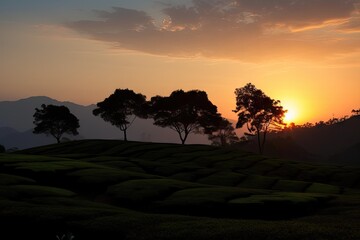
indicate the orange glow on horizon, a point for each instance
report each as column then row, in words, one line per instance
column 292, row 114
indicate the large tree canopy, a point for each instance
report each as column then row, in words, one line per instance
column 55, row 121
column 121, row 108
column 258, row 112
column 185, row 112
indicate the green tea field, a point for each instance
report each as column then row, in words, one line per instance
column 107, row 189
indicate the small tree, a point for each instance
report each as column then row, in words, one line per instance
column 258, row 112
column 224, row 135
column 185, row 113
column 121, row 109
column 55, row 121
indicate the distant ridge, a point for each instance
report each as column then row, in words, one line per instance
column 18, row 116
column 338, row 143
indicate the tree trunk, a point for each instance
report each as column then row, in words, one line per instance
column 259, row 142
column 223, row 140
column 183, row 139
column 125, row 137
column 264, row 138
column 56, row 136
column 263, row 142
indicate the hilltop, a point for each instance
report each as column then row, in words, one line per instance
column 325, row 143
column 16, row 125
column 107, row 189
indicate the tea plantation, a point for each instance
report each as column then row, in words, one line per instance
column 107, row 189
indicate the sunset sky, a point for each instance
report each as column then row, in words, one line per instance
column 305, row 53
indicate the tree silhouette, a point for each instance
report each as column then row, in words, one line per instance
column 258, row 112
column 55, row 121
column 355, row 112
column 185, row 113
column 121, row 108
column 224, row 135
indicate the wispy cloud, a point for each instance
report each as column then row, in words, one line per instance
column 351, row 26
column 247, row 30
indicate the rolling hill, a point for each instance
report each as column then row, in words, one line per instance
column 327, row 140
column 107, row 189
column 336, row 143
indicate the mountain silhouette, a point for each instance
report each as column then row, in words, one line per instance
column 350, row 156
column 7, row 131
column 337, row 143
column 16, row 124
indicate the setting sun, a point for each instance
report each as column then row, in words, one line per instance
column 290, row 116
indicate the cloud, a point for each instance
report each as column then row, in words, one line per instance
column 352, row 26
column 119, row 20
column 247, row 30
column 181, row 17
column 298, row 13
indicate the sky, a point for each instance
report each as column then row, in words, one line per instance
column 305, row 53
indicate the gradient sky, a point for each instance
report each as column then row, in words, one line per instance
column 305, row 53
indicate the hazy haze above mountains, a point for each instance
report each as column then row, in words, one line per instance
column 16, row 124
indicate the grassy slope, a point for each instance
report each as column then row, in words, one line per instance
column 167, row 191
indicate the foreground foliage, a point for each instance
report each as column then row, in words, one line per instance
column 128, row 190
